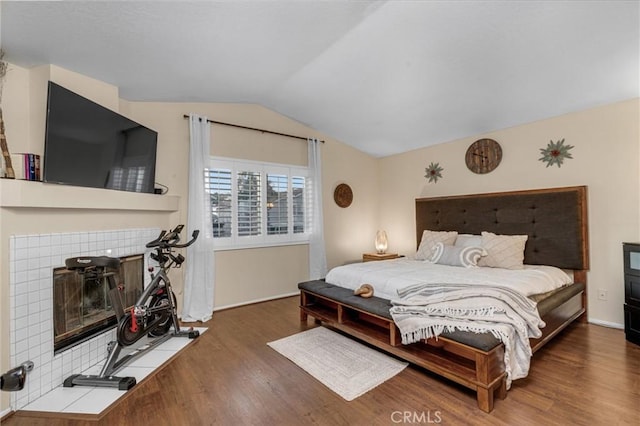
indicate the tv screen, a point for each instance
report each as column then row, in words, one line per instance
column 89, row 145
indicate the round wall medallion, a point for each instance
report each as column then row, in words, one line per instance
column 483, row 156
column 343, row 195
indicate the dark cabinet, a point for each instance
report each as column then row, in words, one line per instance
column 631, row 252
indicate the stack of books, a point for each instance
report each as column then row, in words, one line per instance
column 26, row 166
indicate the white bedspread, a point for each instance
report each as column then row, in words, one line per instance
column 389, row 276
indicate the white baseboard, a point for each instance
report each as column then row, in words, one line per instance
column 606, row 323
column 250, row 302
column 5, row 413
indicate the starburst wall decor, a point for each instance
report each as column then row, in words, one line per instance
column 434, row 172
column 555, row 153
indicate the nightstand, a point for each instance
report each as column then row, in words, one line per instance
column 370, row 257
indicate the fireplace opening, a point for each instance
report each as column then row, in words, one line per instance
column 82, row 308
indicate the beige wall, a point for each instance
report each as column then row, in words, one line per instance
column 54, row 208
column 605, row 158
column 273, row 271
column 241, row 275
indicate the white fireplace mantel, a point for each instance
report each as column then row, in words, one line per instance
column 16, row 193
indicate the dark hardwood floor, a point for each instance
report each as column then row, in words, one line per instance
column 588, row 375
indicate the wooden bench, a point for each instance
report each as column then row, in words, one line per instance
column 477, row 369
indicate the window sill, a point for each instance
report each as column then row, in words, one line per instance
column 261, row 245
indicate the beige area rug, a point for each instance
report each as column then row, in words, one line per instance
column 345, row 366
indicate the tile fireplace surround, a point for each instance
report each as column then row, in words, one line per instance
column 31, row 262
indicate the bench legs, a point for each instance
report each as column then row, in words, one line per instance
column 485, row 396
column 303, row 302
column 487, row 377
column 304, row 316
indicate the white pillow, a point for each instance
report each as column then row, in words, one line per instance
column 468, row 240
column 429, row 240
column 456, row 255
column 503, row 251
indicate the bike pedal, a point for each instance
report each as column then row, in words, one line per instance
column 193, row 334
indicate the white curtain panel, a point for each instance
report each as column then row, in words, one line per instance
column 317, row 255
column 199, row 276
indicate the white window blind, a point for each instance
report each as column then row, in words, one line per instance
column 217, row 182
column 256, row 204
column 277, row 204
column 249, row 206
column 299, row 205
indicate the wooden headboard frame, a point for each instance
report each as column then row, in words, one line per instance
column 554, row 219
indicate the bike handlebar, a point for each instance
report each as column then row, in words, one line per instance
column 194, row 237
column 172, row 238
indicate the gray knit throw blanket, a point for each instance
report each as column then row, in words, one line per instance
column 428, row 310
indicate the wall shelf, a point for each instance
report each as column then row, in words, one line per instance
column 22, row 194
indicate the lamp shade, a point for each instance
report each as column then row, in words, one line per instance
column 381, row 242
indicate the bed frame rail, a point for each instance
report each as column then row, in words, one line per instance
column 479, row 370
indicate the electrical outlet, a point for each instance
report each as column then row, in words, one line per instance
column 602, row 294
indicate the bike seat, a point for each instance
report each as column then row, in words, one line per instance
column 84, row 262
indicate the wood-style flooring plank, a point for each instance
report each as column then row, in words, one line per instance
column 588, row 375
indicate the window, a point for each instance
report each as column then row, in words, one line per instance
column 277, row 204
column 248, row 202
column 218, row 184
column 256, row 204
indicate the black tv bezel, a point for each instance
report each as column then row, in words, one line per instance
column 148, row 189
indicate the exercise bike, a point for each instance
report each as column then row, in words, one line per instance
column 152, row 315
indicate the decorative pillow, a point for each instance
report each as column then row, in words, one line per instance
column 468, row 240
column 503, row 251
column 429, row 240
column 457, row 256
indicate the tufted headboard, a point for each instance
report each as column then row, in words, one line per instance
column 555, row 220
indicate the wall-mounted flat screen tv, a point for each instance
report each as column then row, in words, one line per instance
column 89, row 145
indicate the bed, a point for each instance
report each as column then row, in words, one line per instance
column 554, row 222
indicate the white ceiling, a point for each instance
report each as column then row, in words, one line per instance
column 384, row 77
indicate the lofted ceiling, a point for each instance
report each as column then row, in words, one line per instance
column 384, row 77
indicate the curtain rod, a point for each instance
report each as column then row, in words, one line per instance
column 254, row 128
